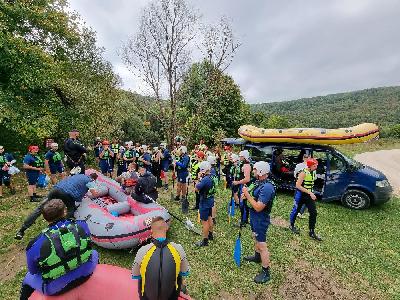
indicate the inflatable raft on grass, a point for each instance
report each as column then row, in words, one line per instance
column 319, row 136
column 116, row 220
column 107, row 283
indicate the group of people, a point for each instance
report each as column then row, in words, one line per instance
column 253, row 192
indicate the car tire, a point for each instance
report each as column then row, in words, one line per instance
column 356, row 199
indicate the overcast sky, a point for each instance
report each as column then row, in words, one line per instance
column 290, row 49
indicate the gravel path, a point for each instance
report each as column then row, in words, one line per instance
column 386, row 161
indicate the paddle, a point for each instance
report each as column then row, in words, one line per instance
column 188, row 224
column 231, row 208
column 237, row 251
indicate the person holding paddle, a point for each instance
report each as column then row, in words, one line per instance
column 260, row 195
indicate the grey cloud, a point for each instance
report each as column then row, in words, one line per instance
column 291, row 49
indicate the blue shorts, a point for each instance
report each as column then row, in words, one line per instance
column 205, row 208
column 54, row 169
column 105, row 166
column 205, row 213
column 259, row 229
column 182, row 177
column 32, row 177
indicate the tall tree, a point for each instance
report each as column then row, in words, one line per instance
column 212, row 105
column 160, row 50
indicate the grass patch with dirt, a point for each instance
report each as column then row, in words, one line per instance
column 358, row 258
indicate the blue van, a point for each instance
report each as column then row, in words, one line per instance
column 338, row 177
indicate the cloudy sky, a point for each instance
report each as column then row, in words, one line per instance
column 290, row 48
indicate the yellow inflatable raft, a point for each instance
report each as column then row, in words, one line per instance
column 356, row 134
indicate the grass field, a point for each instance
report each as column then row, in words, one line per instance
column 358, row 259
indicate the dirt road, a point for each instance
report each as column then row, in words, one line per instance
column 386, row 161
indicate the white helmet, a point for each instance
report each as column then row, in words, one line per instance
column 129, row 143
column 183, row 149
column 262, row 168
column 205, row 166
column 163, row 145
column 155, row 149
column 144, row 147
column 245, row 154
column 234, row 157
column 54, row 145
column 212, row 159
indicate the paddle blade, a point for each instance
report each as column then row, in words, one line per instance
column 237, row 252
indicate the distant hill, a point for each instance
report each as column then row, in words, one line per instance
column 376, row 105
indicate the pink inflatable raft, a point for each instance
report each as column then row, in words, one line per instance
column 107, row 282
column 115, row 220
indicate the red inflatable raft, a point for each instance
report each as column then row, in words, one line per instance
column 107, row 282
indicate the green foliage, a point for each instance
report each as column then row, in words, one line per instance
column 391, row 131
column 212, row 105
column 276, row 121
column 377, row 105
column 54, row 77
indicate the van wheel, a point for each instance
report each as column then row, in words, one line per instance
column 356, row 199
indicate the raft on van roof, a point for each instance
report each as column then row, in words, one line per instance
column 318, row 136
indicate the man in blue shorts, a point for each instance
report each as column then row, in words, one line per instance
column 182, row 172
column 33, row 166
column 53, row 163
column 206, row 188
column 70, row 190
column 165, row 163
column 260, row 195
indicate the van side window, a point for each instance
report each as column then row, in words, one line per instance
column 336, row 164
column 320, row 156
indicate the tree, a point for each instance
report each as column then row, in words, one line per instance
column 219, row 45
column 276, row 121
column 160, row 50
column 212, row 104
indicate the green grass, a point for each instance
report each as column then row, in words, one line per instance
column 360, row 251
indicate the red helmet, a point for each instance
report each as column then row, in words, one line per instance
column 105, row 142
column 311, row 162
column 33, row 148
column 200, row 154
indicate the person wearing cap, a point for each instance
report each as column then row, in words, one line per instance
column 71, row 189
column 243, row 178
column 214, row 173
column 145, row 157
column 194, row 172
column 182, row 172
column 260, row 195
column 206, row 188
column 53, row 163
column 106, row 155
column 6, row 161
column 75, row 152
column 120, row 160
column 146, row 185
column 305, row 195
column 166, row 160
column 33, row 166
